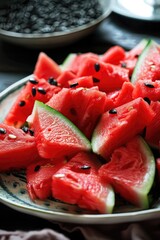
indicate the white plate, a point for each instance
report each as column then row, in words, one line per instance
column 13, row 191
column 57, row 38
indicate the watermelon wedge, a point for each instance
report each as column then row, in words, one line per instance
column 56, row 136
column 46, row 67
column 39, row 177
column 15, row 143
column 131, row 171
column 77, row 182
column 119, row 125
column 148, row 64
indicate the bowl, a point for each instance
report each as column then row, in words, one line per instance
column 56, row 39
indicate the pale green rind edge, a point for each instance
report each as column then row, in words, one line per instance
column 147, row 184
column 54, row 112
column 151, row 43
column 110, row 201
column 68, row 60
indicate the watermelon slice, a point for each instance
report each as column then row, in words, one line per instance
column 15, row 143
column 81, row 106
column 148, row 64
column 131, row 171
column 147, row 89
column 33, row 90
column 106, row 76
column 78, row 183
column 56, row 136
column 119, row 125
column 113, row 55
column 39, row 177
column 152, row 135
column 46, row 67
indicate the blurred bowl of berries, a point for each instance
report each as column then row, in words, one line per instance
column 45, row 23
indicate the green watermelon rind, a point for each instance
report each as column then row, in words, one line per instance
column 62, row 118
column 68, row 60
column 144, row 189
column 110, row 201
column 139, row 65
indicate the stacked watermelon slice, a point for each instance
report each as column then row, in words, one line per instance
column 94, row 122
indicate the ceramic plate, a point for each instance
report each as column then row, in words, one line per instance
column 13, row 192
column 57, row 38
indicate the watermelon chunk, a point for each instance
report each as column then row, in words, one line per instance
column 39, row 177
column 119, row 125
column 78, row 183
column 33, row 90
column 18, row 149
column 46, row 67
column 107, row 77
column 73, row 61
column 152, row 135
column 56, row 136
column 147, row 89
column 131, row 171
column 113, row 55
column 82, row 106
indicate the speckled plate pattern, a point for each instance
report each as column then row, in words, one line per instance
column 13, row 192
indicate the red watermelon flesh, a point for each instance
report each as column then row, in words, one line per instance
column 119, row 125
column 137, row 50
column 148, row 64
column 64, row 77
column 85, row 82
column 82, row 106
column 46, row 67
column 56, row 136
column 131, row 171
column 131, row 57
column 113, row 55
column 147, row 89
column 33, row 90
column 153, row 129
column 107, row 77
column 77, row 182
column 124, row 94
column 18, row 149
column 39, row 177
column 77, row 60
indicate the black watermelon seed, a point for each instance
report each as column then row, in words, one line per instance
column 85, row 167
column 113, row 111
column 33, row 81
column 147, row 100
column 74, row 84
column 123, row 65
column 22, row 103
column 2, row 131
column 73, row 111
column 31, row 132
column 34, row 91
column 41, row 90
column 36, row 169
column 25, row 129
column 95, row 80
column 149, row 85
column 53, row 81
column 97, row 67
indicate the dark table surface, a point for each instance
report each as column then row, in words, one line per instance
column 17, row 62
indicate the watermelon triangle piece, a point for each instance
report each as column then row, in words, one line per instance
column 77, row 182
column 46, row 67
column 131, row 171
column 56, row 135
